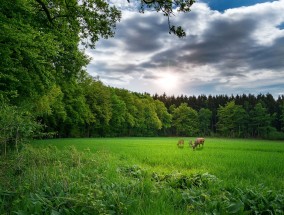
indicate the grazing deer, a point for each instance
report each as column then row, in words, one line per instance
column 198, row 141
column 180, row 143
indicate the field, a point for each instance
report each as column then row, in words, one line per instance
column 144, row 176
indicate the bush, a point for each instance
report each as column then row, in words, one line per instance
column 17, row 126
column 275, row 135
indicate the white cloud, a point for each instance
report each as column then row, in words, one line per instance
column 238, row 51
column 267, row 15
column 124, row 5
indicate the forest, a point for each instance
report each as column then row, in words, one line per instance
column 46, row 92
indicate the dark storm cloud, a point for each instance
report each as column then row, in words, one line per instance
column 225, row 45
column 166, row 58
column 115, row 68
column 141, row 33
column 271, row 57
column 221, row 41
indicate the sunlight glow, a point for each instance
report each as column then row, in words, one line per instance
column 168, row 82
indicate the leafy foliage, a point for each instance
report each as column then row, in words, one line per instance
column 232, row 120
column 168, row 7
column 235, row 116
column 204, row 118
column 17, row 126
column 185, row 119
column 260, row 120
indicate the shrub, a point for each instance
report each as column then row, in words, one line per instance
column 17, row 126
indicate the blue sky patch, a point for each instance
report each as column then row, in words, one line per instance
column 281, row 26
column 222, row 5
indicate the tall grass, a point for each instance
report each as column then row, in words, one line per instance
column 143, row 176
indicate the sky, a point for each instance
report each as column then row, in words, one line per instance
column 231, row 47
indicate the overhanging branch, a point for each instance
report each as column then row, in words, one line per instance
column 45, row 10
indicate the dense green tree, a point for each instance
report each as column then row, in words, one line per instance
column 50, row 109
column 42, row 61
column 17, row 125
column 39, row 40
column 163, row 115
column 204, row 118
column 280, row 113
column 26, row 69
column 152, row 123
column 185, row 120
column 98, row 98
column 78, row 112
column 282, row 117
column 118, row 117
column 231, row 120
column 260, row 121
column 131, row 110
column 242, row 117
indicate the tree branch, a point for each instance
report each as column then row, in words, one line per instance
column 45, row 10
column 148, row 2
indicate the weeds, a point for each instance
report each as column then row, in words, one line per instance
column 180, row 181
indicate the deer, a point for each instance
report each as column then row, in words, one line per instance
column 180, row 143
column 198, row 141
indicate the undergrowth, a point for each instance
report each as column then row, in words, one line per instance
column 52, row 181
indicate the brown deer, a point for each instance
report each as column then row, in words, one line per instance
column 180, row 143
column 198, row 141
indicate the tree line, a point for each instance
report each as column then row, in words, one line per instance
column 260, row 116
column 88, row 108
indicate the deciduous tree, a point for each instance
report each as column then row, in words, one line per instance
column 260, row 124
column 185, row 120
column 231, row 120
column 204, row 118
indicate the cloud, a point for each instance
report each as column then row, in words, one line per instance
column 270, row 57
column 143, row 35
column 240, row 50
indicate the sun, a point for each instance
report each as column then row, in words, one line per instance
column 167, row 81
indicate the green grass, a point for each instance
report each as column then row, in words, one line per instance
column 235, row 161
column 143, row 176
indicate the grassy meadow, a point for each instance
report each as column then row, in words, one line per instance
column 144, row 176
